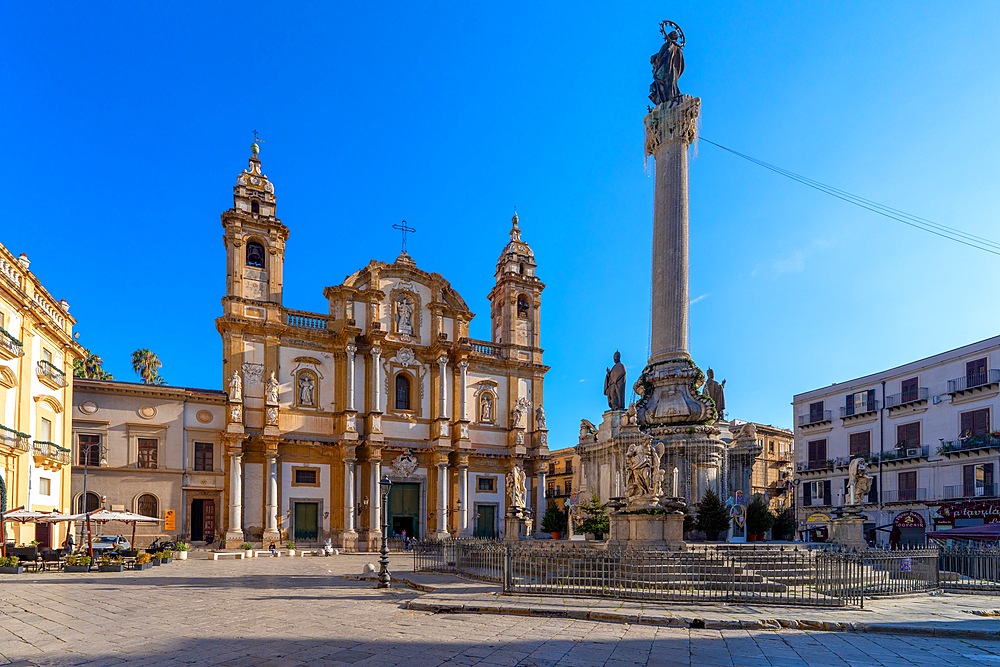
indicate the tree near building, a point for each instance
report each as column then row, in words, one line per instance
column 759, row 516
column 147, row 366
column 597, row 521
column 90, row 367
column 713, row 518
column 554, row 520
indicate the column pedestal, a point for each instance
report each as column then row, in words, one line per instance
column 849, row 531
column 648, row 531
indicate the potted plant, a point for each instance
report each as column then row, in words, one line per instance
column 77, row 563
column 247, row 549
column 10, row 565
column 554, row 521
column 597, row 522
column 182, row 551
column 166, row 557
column 759, row 518
column 784, row 525
column 713, row 518
column 109, row 563
column 143, row 561
column 290, row 545
column 154, row 558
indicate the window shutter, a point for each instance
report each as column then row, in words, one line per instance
column 968, row 478
column 981, row 421
column 968, row 422
column 807, row 494
column 871, row 399
column 826, row 492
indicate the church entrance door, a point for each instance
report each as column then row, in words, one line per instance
column 203, row 519
column 306, row 522
column 404, row 509
column 486, row 521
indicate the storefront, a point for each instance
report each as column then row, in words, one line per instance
column 817, row 528
column 966, row 513
column 908, row 529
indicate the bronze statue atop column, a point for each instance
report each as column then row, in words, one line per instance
column 668, row 65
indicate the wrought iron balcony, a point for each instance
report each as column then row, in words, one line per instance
column 10, row 346
column 971, row 491
column 816, row 464
column 906, row 398
column 971, row 381
column 814, row 418
column 866, row 408
column 51, row 450
column 984, row 441
column 904, row 452
column 904, row 495
column 14, row 439
column 48, row 371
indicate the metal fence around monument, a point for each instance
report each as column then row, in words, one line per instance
column 765, row 574
column 970, row 568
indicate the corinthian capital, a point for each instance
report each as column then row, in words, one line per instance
column 666, row 123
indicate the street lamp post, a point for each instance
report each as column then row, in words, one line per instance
column 383, row 569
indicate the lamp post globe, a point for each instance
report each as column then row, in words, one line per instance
column 383, row 571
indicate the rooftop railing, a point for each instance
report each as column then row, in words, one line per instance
column 305, row 321
column 906, row 398
column 974, row 380
column 482, row 347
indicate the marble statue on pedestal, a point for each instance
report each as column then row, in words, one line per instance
column 614, row 384
column 716, row 391
column 516, row 488
column 271, row 389
column 859, row 482
column 235, row 387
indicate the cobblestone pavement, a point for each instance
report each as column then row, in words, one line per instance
column 302, row 611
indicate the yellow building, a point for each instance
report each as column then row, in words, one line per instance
column 36, row 398
column 772, row 470
column 564, row 476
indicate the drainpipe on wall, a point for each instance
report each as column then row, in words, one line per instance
column 881, row 446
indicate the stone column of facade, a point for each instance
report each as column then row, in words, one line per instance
column 442, row 510
column 463, row 495
column 234, row 536
column 349, row 496
column 375, row 503
column 350, row 349
column 463, row 368
column 539, row 498
column 377, row 376
column 271, row 533
column 443, row 374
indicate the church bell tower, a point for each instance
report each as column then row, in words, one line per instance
column 255, row 245
column 516, row 297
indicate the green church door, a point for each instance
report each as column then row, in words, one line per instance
column 306, row 522
column 404, row 509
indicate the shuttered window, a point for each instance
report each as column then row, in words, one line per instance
column 861, row 444
column 975, row 422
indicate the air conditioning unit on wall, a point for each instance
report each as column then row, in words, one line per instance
column 913, row 451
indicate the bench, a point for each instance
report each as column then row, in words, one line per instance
column 278, row 553
column 216, row 555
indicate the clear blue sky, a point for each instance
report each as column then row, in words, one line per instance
column 125, row 125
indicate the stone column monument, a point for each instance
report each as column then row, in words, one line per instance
column 671, row 409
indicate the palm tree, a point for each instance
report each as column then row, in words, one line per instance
column 91, row 367
column 147, row 366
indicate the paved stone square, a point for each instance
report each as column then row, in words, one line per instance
column 303, row 611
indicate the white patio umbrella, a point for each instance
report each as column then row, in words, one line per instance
column 19, row 515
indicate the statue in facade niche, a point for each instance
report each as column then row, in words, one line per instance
column 519, row 412
column 235, row 387
column 859, row 482
column 517, row 487
column 614, row 384
column 540, row 418
column 668, row 65
column 306, row 389
column 716, row 392
column 271, row 389
column 486, row 408
column 404, row 315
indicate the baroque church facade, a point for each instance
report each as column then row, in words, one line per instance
column 387, row 382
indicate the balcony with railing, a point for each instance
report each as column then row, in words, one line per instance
column 13, row 440
column 815, row 464
column 50, row 374
column 44, row 449
column 969, row 444
column 971, row 381
column 815, row 418
column 971, row 491
column 861, row 410
column 303, row 320
column 10, row 346
column 905, row 398
column 904, row 495
column 903, row 453
column 485, row 348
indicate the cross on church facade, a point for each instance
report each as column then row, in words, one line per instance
column 403, row 228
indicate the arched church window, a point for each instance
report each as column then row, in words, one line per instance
column 255, row 206
column 255, row 255
column 402, row 392
column 486, row 408
column 147, row 505
column 523, row 307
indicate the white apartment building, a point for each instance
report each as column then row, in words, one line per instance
column 930, row 432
